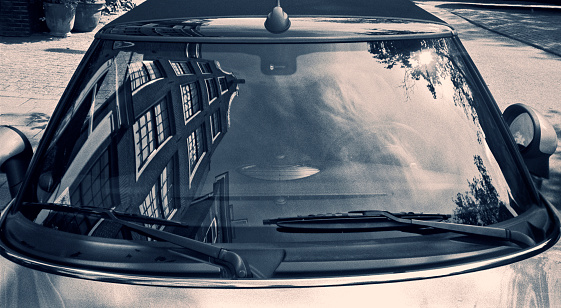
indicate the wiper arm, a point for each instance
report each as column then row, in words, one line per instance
column 233, row 263
column 384, row 220
column 230, row 260
column 501, row 233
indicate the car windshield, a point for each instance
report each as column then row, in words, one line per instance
column 226, row 138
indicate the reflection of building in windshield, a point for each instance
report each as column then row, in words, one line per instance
column 144, row 145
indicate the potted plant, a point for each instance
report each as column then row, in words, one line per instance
column 60, row 15
column 88, row 13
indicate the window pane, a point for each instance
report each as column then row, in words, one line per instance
column 195, row 147
column 190, row 98
column 205, row 68
column 215, row 123
column 211, row 89
column 153, row 70
column 162, row 121
column 144, row 140
column 138, row 75
column 182, row 68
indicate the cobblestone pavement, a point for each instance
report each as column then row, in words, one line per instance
column 538, row 26
column 35, row 70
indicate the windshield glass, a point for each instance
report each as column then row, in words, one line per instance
column 223, row 137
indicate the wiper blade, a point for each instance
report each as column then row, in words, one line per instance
column 233, row 263
column 384, row 220
column 101, row 211
column 355, row 220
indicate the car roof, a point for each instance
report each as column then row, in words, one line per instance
column 172, row 9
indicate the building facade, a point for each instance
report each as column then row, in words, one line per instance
column 145, row 128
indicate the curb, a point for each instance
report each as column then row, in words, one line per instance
column 511, row 6
column 513, row 37
column 515, row 25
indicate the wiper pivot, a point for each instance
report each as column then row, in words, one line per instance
column 230, row 260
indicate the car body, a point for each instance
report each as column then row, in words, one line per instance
column 228, row 154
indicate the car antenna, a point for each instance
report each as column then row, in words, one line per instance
column 277, row 21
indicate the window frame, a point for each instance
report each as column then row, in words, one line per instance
column 211, row 89
column 188, row 105
column 145, row 71
column 196, row 140
column 157, row 137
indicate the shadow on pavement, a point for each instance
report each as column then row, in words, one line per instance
column 532, row 26
column 35, row 38
column 66, row 50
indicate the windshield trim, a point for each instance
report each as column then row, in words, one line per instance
column 246, row 35
column 268, row 40
column 149, row 280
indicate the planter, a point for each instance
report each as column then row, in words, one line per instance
column 87, row 16
column 59, row 18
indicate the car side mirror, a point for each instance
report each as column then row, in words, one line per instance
column 535, row 136
column 15, row 156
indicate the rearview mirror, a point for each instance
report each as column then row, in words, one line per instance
column 15, row 155
column 535, row 136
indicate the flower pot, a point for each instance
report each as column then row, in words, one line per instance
column 87, row 16
column 59, row 18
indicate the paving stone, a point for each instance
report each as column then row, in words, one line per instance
column 541, row 29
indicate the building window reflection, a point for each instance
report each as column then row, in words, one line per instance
column 95, row 187
column 196, row 148
column 211, row 233
column 162, row 122
column 143, row 138
column 215, row 124
column 149, row 207
column 158, row 202
column 223, row 85
column 182, row 68
column 150, row 131
column 165, row 183
column 190, row 98
column 205, row 67
column 143, row 72
column 94, row 190
column 211, row 89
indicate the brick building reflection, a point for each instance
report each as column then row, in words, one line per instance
column 148, row 129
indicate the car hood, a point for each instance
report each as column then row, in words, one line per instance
column 529, row 283
column 307, row 28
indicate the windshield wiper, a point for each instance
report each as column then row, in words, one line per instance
column 354, row 220
column 230, row 261
column 384, row 220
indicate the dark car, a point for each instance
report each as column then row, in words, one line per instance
column 226, row 153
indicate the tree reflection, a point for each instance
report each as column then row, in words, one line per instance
column 481, row 204
column 434, row 61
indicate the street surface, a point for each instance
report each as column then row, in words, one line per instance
column 515, row 73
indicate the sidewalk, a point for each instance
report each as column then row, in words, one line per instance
column 35, row 71
column 537, row 25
